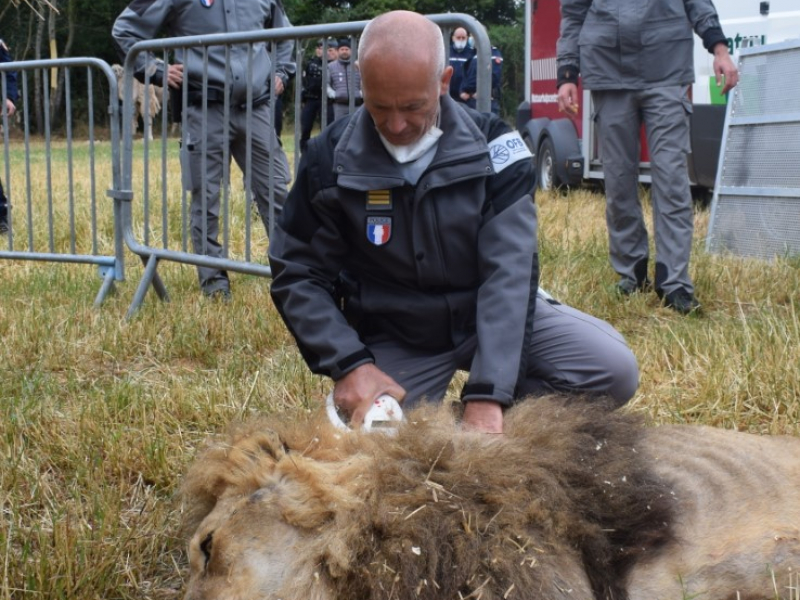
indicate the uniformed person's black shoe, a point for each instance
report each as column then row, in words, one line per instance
column 682, row 301
column 626, row 287
column 220, row 295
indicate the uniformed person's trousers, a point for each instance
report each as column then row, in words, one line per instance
column 570, row 351
column 203, row 173
column 665, row 112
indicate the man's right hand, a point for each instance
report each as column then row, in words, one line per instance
column 568, row 98
column 355, row 393
column 175, row 76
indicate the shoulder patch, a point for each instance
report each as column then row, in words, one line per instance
column 508, row 149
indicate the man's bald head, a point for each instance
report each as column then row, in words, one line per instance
column 404, row 35
column 403, row 75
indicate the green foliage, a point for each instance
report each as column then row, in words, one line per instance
column 309, row 12
column 94, row 19
column 510, row 39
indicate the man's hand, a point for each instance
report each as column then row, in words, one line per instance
column 175, row 76
column 277, row 86
column 483, row 415
column 10, row 107
column 725, row 68
column 568, row 98
column 355, row 392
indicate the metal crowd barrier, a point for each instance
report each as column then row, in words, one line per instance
column 755, row 210
column 55, row 181
column 156, row 208
column 54, row 177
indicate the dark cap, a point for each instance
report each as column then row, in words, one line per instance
column 332, row 43
column 344, row 42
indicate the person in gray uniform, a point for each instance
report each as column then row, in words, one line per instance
column 407, row 250
column 636, row 57
column 344, row 81
column 205, row 132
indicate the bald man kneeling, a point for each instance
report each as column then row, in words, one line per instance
column 407, row 251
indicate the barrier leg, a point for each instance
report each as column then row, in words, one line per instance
column 107, row 274
column 150, row 276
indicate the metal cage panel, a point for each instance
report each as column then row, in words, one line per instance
column 756, row 206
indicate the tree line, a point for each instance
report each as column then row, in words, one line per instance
column 38, row 29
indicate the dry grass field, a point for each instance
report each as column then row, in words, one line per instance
column 100, row 416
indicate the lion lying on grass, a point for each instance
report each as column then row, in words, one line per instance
column 571, row 502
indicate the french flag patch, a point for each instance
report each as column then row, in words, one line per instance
column 379, row 230
column 207, row 3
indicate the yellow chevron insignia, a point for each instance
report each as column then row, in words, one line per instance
column 379, row 200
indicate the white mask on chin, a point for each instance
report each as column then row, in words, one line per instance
column 460, row 44
column 405, row 154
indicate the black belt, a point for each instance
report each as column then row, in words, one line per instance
column 214, row 96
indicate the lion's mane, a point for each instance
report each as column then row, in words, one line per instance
column 437, row 512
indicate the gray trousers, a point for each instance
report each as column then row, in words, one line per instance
column 571, row 351
column 203, row 174
column 619, row 115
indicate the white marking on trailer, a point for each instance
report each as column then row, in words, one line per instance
column 544, row 69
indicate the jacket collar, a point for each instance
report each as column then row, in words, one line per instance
column 362, row 163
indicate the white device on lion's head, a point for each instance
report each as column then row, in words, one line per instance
column 384, row 415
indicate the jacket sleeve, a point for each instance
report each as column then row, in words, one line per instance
column 705, row 22
column 509, row 279
column 10, row 76
column 568, row 58
column 142, row 20
column 285, row 67
column 306, row 254
column 469, row 82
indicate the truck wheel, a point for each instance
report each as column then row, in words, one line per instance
column 545, row 166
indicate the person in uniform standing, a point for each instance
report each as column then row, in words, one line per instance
column 9, row 108
column 637, row 60
column 460, row 54
column 202, row 155
column 344, row 80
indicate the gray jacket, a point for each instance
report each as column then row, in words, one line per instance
column 629, row 44
column 459, row 252
column 339, row 75
column 144, row 19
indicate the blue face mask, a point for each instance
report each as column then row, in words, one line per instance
column 471, row 42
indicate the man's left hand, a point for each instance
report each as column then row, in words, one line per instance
column 724, row 67
column 10, row 107
column 483, row 415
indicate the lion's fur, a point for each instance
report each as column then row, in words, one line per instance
column 560, row 506
column 573, row 501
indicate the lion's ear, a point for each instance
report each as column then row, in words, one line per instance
column 237, row 468
column 272, row 444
